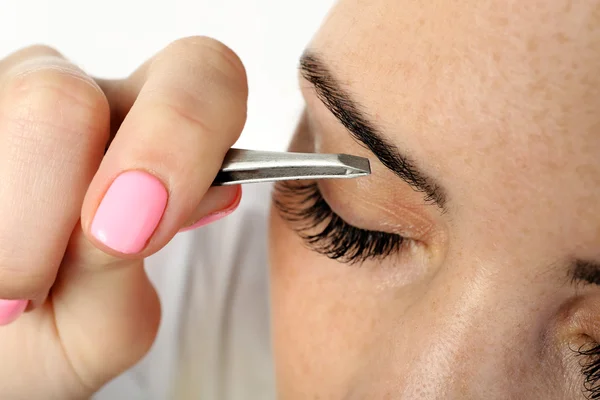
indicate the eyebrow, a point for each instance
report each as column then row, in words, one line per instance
column 350, row 115
column 585, row 271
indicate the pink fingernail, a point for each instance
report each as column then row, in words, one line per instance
column 130, row 212
column 209, row 219
column 10, row 310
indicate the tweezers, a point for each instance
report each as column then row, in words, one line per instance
column 252, row 166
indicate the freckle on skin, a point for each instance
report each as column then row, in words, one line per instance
column 568, row 6
column 561, row 38
column 532, row 45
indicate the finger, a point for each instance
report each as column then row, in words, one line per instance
column 190, row 110
column 105, row 309
column 31, row 54
column 108, row 305
column 53, row 126
column 215, row 205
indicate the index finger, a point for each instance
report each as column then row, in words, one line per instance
column 53, row 127
column 190, row 110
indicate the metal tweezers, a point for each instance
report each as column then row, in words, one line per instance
column 252, row 166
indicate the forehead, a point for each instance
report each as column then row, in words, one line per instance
column 497, row 99
column 472, row 62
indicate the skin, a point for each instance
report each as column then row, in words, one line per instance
column 496, row 101
column 92, row 311
column 500, row 108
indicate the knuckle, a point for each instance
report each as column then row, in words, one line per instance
column 52, row 96
column 213, row 57
column 53, row 84
column 170, row 111
column 198, row 81
column 206, row 120
column 168, row 114
column 28, row 53
column 36, row 50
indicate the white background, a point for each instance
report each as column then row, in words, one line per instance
column 111, row 38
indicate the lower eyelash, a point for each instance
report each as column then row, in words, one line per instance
column 590, row 368
column 326, row 232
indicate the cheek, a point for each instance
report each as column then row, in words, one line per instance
column 324, row 325
column 339, row 335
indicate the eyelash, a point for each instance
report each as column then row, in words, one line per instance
column 590, row 367
column 326, row 232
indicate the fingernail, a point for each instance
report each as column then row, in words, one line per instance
column 209, row 219
column 130, row 212
column 10, row 310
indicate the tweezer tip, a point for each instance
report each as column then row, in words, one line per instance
column 356, row 165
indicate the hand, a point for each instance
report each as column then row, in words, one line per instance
column 76, row 223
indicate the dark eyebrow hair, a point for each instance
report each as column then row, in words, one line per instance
column 349, row 113
column 585, row 271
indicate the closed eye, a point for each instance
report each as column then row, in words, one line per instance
column 303, row 206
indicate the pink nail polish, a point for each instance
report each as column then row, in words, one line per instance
column 209, row 219
column 130, row 212
column 10, row 310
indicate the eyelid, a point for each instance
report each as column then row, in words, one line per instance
column 304, row 207
column 406, row 221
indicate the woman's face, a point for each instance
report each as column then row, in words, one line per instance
column 469, row 261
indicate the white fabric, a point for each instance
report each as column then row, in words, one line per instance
column 214, row 340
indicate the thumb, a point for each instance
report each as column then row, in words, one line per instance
column 107, row 312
